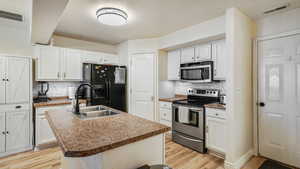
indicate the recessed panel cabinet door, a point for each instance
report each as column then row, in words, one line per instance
column 48, row 63
column 188, row 55
column 220, row 60
column 17, row 86
column 17, row 127
column 72, row 65
column 2, row 79
column 203, row 52
column 2, row 132
column 174, row 65
column 216, row 134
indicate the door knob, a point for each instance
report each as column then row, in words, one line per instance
column 262, row 104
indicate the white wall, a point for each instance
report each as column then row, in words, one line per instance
column 205, row 31
column 240, row 31
column 278, row 23
column 67, row 42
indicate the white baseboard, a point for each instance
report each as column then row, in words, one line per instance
column 240, row 162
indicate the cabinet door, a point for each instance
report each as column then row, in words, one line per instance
column 203, row 52
column 188, row 55
column 216, row 139
column 174, row 65
column 48, row 63
column 220, row 60
column 2, row 132
column 91, row 57
column 3, row 63
column 17, row 127
column 110, row 59
column 17, row 86
column 44, row 132
column 72, row 65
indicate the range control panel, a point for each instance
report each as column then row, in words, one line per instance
column 204, row 92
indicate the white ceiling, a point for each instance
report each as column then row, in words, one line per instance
column 151, row 18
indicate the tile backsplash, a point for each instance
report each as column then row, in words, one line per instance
column 181, row 87
column 56, row 89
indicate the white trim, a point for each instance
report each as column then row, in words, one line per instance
column 240, row 162
column 280, row 35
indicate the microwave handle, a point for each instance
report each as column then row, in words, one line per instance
column 195, row 67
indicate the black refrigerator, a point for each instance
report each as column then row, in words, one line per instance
column 109, row 85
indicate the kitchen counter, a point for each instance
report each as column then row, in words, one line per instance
column 86, row 137
column 56, row 101
column 216, row 106
column 172, row 99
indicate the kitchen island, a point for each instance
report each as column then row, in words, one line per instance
column 120, row 141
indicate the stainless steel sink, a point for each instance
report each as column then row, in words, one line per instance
column 95, row 111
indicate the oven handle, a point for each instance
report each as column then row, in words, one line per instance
column 190, row 139
column 190, row 108
column 195, row 67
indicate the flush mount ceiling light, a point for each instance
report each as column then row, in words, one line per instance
column 112, row 16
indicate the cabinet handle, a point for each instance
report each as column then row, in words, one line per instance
column 18, row 107
column 64, row 74
column 58, row 74
column 217, row 114
column 7, row 132
column 206, row 129
column 3, row 79
column 7, row 80
column 3, row 132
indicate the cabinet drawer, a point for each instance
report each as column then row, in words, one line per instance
column 216, row 113
column 14, row 107
column 166, row 114
column 165, row 105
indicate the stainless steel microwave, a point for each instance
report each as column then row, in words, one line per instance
column 198, row 72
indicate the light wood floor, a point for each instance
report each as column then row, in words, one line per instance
column 177, row 156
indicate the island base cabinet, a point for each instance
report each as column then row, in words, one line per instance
column 131, row 156
column 2, row 132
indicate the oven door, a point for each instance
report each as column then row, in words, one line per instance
column 195, row 124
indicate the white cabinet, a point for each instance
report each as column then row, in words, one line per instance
column 174, row 65
column 91, row 57
column 165, row 110
column 72, row 65
column 203, row 52
column 17, row 127
column 43, row 133
column 15, row 79
column 215, row 130
column 220, row 59
column 58, row 64
column 110, row 59
column 48, row 62
column 188, row 55
column 2, row 132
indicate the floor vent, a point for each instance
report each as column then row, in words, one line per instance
column 11, row 16
column 276, row 9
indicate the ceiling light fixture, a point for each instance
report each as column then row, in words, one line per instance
column 112, row 16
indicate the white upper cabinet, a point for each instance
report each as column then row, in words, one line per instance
column 2, row 79
column 174, row 65
column 110, row 59
column 2, row 132
column 220, row 59
column 17, row 127
column 91, row 57
column 188, row 55
column 203, row 52
column 72, row 65
column 18, row 75
column 48, row 62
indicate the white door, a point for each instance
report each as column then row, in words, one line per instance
column 142, row 85
column 48, row 63
column 3, row 63
column 72, row 65
column 44, row 132
column 220, row 59
column 276, row 94
column 187, row 55
column 2, row 132
column 216, row 129
column 203, row 52
column 174, row 65
column 17, row 126
column 17, row 86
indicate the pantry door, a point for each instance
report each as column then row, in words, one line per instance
column 279, row 96
column 142, row 85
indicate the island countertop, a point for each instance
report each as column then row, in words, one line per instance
column 81, row 138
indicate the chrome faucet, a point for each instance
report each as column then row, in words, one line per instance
column 76, row 109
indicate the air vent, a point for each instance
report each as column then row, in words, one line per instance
column 276, row 9
column 12, row 16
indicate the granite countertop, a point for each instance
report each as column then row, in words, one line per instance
column 216, row 106
column 172, row 99
column 56, row 101
column 81, row 138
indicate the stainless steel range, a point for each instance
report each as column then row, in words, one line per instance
column 188, row 120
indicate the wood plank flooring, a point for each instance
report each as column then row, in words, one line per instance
column 177, row 157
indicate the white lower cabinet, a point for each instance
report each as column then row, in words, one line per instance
column 43, row 131
column 215, row 130
column 2, row 130
column 165, row 110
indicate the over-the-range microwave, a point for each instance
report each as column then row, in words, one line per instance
column 198, row 72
